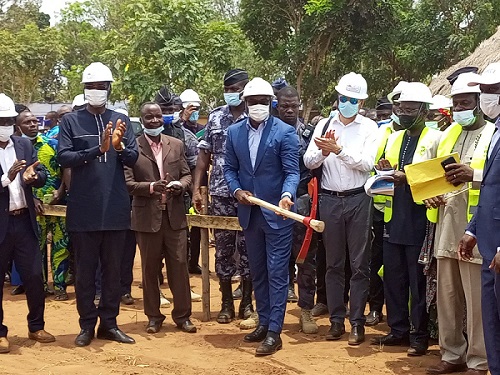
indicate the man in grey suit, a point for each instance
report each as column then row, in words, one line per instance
column 483, row 228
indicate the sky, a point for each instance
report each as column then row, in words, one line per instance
column 53, row 7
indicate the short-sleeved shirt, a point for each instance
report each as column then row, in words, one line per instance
column 409, row 220
column 47, row 155
column 214, row 141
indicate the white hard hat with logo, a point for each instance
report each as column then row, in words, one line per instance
column 396, row 91
column 461, row 85
column 190, row 96
column 78, row 101
column 441, row 102
column 415, row 92
column 490, row 75
column 257, row 86
column 353, row 85
column 7, row 106
column 97, row 72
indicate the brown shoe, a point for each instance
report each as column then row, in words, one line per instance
column 472, row 371
column 446, row 368
column 4, row 345
column 41, row 336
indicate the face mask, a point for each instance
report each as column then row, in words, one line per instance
column 5, row 133
column 258, row 112
column 232, row 99
column 432, row 125
column 465, row 118
column 96, row 98
column 30, row 138
column 153, row 132
column 274, row 103
column 177, row 116
column 348, row 110
column 395, row 118
column 407, row 122
column 194, row 116
column 168, row 119
column 489, row 105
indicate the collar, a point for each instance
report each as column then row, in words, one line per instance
column 151, row 142
column 357, row 120
column 497, row 123
column 227, row 112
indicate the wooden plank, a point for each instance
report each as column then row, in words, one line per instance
column 205, row 260
column 216, row 222
column 54, row 210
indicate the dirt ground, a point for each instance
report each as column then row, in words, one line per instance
column 215, row 349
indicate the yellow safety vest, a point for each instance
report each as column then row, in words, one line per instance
column 392, row 154
column 387, row 131
column 446, row 144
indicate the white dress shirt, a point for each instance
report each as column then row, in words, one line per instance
column 16, row 193
column 351, row 167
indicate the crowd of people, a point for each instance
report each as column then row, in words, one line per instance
column 434, row 263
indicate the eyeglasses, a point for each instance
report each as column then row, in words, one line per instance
column 344, row 99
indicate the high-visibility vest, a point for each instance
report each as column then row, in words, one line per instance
column 392, row 154
column 387, row 130
column 448, row 141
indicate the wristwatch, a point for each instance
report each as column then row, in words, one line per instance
column 122, row 147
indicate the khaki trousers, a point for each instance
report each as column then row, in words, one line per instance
column 459, row 285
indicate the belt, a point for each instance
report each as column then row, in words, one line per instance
column 344, row 193
column 21, row 211
column 162, row 206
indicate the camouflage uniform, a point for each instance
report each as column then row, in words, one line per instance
column 306, row 275
column 223, row 203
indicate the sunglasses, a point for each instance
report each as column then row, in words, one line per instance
column 344, row 99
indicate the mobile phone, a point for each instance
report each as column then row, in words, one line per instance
column 448, row 161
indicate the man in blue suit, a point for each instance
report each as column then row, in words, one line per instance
column 19, row 172
column 483, row 228
column 261, row 160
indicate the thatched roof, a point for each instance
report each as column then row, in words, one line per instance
column 487, row 52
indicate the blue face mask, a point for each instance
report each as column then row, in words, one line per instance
column 153, row 132
column 168, row 119
column 232, row 99
column 194, row 116
column 432, row 125
column 30, row 138
column 395, row 118
column 348, row 110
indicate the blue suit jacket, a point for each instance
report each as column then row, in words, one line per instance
column 486, row 222
column 24, row 151
column 276, row 167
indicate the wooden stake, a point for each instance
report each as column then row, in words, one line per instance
column 205, row 259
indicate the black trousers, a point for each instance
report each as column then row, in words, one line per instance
column 194, row 247
column 320, row 272
column 90, row 248
column 127, row 266
column 376, row 297
column 402, row 275
column 21, row 245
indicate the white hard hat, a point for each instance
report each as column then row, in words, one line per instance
column 461, row 85
column 490, row 75
column 441, row 102
column 353, row 85
column 415, row 92
column 190, row 97
column 397, row 90
column 78, row 101
column 257, row 86
column 7, row 106
column 97, row 72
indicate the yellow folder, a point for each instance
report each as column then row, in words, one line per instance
column 427, row 179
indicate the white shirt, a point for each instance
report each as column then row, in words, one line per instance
column 351, row 167
column 16, row 192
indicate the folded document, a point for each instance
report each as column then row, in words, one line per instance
column 380, row 184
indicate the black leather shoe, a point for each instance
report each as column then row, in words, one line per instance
column 154, row 325
column 357, row 335
column 417, row 350
column 17, row 290
column 373, row 318
column 269, row 346
column 114, row 334
column 390, row 340
column 194, row 270
column 187, row 327
column 257, row 335
column 127, row 299
column 336, row 331
column 84, row 338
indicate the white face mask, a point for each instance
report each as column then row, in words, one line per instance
column 5, row 133
column 258, row 112
column 96, row 98
column 490, row 105
column 177, row 116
